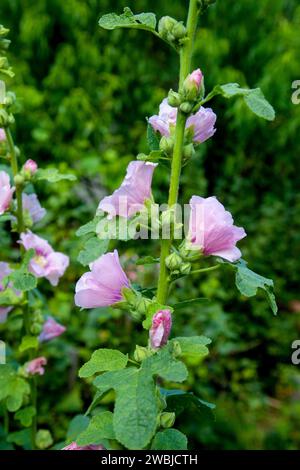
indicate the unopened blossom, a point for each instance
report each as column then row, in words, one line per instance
column 160, row 328
column 4, row 271
column 46, row 262
column 36, row 366
column 202, row 122
column 30, row 166
column 195, row 77
column 51, row 329
column 2, row 135
column 102, row 286
column 211, row 229
column 33, row 206
column 74, row 446
column 135, row 189
column 6, row 192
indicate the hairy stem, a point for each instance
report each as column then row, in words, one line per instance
column 185, row 66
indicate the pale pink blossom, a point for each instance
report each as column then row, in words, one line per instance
column 195, row 78
column 135, row 189
column 6, row 192
column 33, row 206
column 74, row 446
column 30, row 166
column 102, row 286
column 46, row 262
column 4, row 271
column 36, row 366
column 51, row 329
column 202, row 122
column 160, row 329
column 211, row 229
column 2, row 135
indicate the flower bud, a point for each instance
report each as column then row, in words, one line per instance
column 43, row 439
column 174, row 99
column 36, row 328
column 141, row 353
column 167, row 419
column 166, row 144
column 19, row 180
column 30, row 166
column 173, row 262
column 141, row 304
column 160, row 329
column 192, row 85
column 185, row 268
column 188, row 151
column 179, row 30
column 166, row 25
column 186, row 107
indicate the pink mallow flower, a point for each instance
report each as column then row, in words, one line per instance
column 33, row 206
column 195, row 77
column 46, row 262
column 202, row 122
column 2, row 135
column 160, row 329
column 4, row 271
column 6, row 192
column 211, row 229
column 30, row 166
column 74, row 446
column 102, row 286
column 51, row 329
column 130, row 197
column 36, row 366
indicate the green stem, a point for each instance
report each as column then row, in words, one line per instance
column 15, row 170
column 185, row 65
column 205, row 270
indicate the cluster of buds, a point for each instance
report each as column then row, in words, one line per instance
column 28, row 170
column 5, row 68
column 37, row 323
column 177, row 266
column 171, row 30
column 135, row 302
column 190, row 93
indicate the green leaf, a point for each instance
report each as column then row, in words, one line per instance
column 103, row 360
column 193, row 345
column 231, row 89
column 25, row 415
column 29, row 342
column 93, row 248
column 12, row 388
column 146, row 21
column 147, row 260
column 23, row 281
column 258, row 104
column 248, row 282
column 165, row 365
column 21, row 438
column 77, row 425
column 152, row 138
column 179, row 401
column 170, row 439
column 100, row 427
column 52, row 175
column 90, row 227
column 187, row 303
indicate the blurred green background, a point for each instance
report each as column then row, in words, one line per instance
column 83, row 96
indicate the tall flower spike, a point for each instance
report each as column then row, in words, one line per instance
column 130, row 197
column 102, row 286
column 202, row 122
column 6, row 192
column 160, row 329
column 46, row 262
column 211, row 229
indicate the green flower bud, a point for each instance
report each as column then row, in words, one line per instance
column 179, row 30
column 186, row 107
column 3, row 117
column 10, row 98
column 43, row 439
column 188, row 151
column 36, row 328
column 19, row 180
column 174, row 99
column 141, row 304
column 141, row 353
column 185, row 268
column 166, row 144
column 167, row 419
column 166, row 25
column 173, row 262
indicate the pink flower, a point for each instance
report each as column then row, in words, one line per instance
column 36, row 366
column 6, row 192
column 4, row 271
column 202, row 122
column 51, row 329
column 211, row 229
column 74, row 446
column 30, row 166
column 160, row 329
column 33, row 206
column 46, row 262
column 130, row 197
column 102, row 286
column 2, row 135
column 195, row 77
